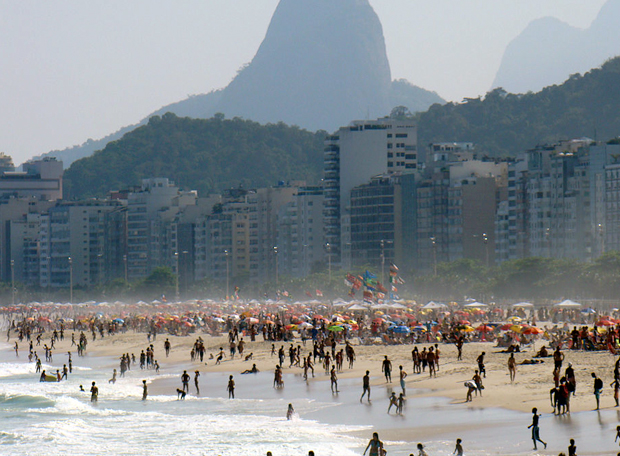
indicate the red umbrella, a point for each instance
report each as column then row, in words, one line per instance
column 532, row 330
column 484, row 328
column 506, row 327
column 464, row 322
column 604, row 323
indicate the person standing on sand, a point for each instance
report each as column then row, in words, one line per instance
column 196, row 375
column 598, row 388
column 167, row 347
column 535, row 428
column 366, row 386
column 375, row 445
column 386, row 368
column 145, row 391
column 480, row 361
column 512, row 367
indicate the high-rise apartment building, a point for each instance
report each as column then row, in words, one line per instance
column 352, row 156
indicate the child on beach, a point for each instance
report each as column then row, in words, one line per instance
column 290, row 412
column 458, row 450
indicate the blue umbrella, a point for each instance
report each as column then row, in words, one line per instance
column 401, row 329
column 118, row 320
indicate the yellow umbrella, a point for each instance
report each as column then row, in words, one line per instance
column 516, row 328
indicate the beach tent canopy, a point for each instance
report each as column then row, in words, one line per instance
column 434, row 305
column 396, row 305
column 475, row 305
column 567, row 304
column 357, row 307
column 523, row 305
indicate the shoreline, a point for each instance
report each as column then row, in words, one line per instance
column 445, row 393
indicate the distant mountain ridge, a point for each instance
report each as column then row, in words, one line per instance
column 322, row 64
column 504, row 124
column 548, row 51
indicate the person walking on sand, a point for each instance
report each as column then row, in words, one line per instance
column 598, row 388
column 366, row 386
column 375, row 445
column 480, row 361
column 386, row 368
column 512, row 367
column 535, row 428
column 145, row 390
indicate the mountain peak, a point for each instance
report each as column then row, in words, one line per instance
column 552, row 50
column 322, row 64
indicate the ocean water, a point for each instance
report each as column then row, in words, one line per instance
column 58, row 419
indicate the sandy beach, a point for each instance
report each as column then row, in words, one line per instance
column 503, row 403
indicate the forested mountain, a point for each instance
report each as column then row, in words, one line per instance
column 200, row 154
column 504, row 124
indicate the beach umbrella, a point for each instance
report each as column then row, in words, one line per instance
column 464, row 322
column 420, row 329
column 589, row 310
column 532, row 330
column 118, row 320
column 291, row 327
column 467, row 328
column 515, row 319
column 378, row 321
column 604, row 323
column 516, row 328
column 484, row 328
column 506, row 327
column 335, row 328
column 268, row 322
column 400, row 329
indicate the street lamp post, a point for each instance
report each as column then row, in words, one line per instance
column 13, row 280
column 227, row 272
column 100, row 265
column 275, row 253
column 176, row 282
column 125, row 266
column 70, row 280
column 485, row 239
column 434, row 243
column 329, row 261
column 601, row 233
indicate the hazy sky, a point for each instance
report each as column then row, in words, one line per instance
column 75, row 69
